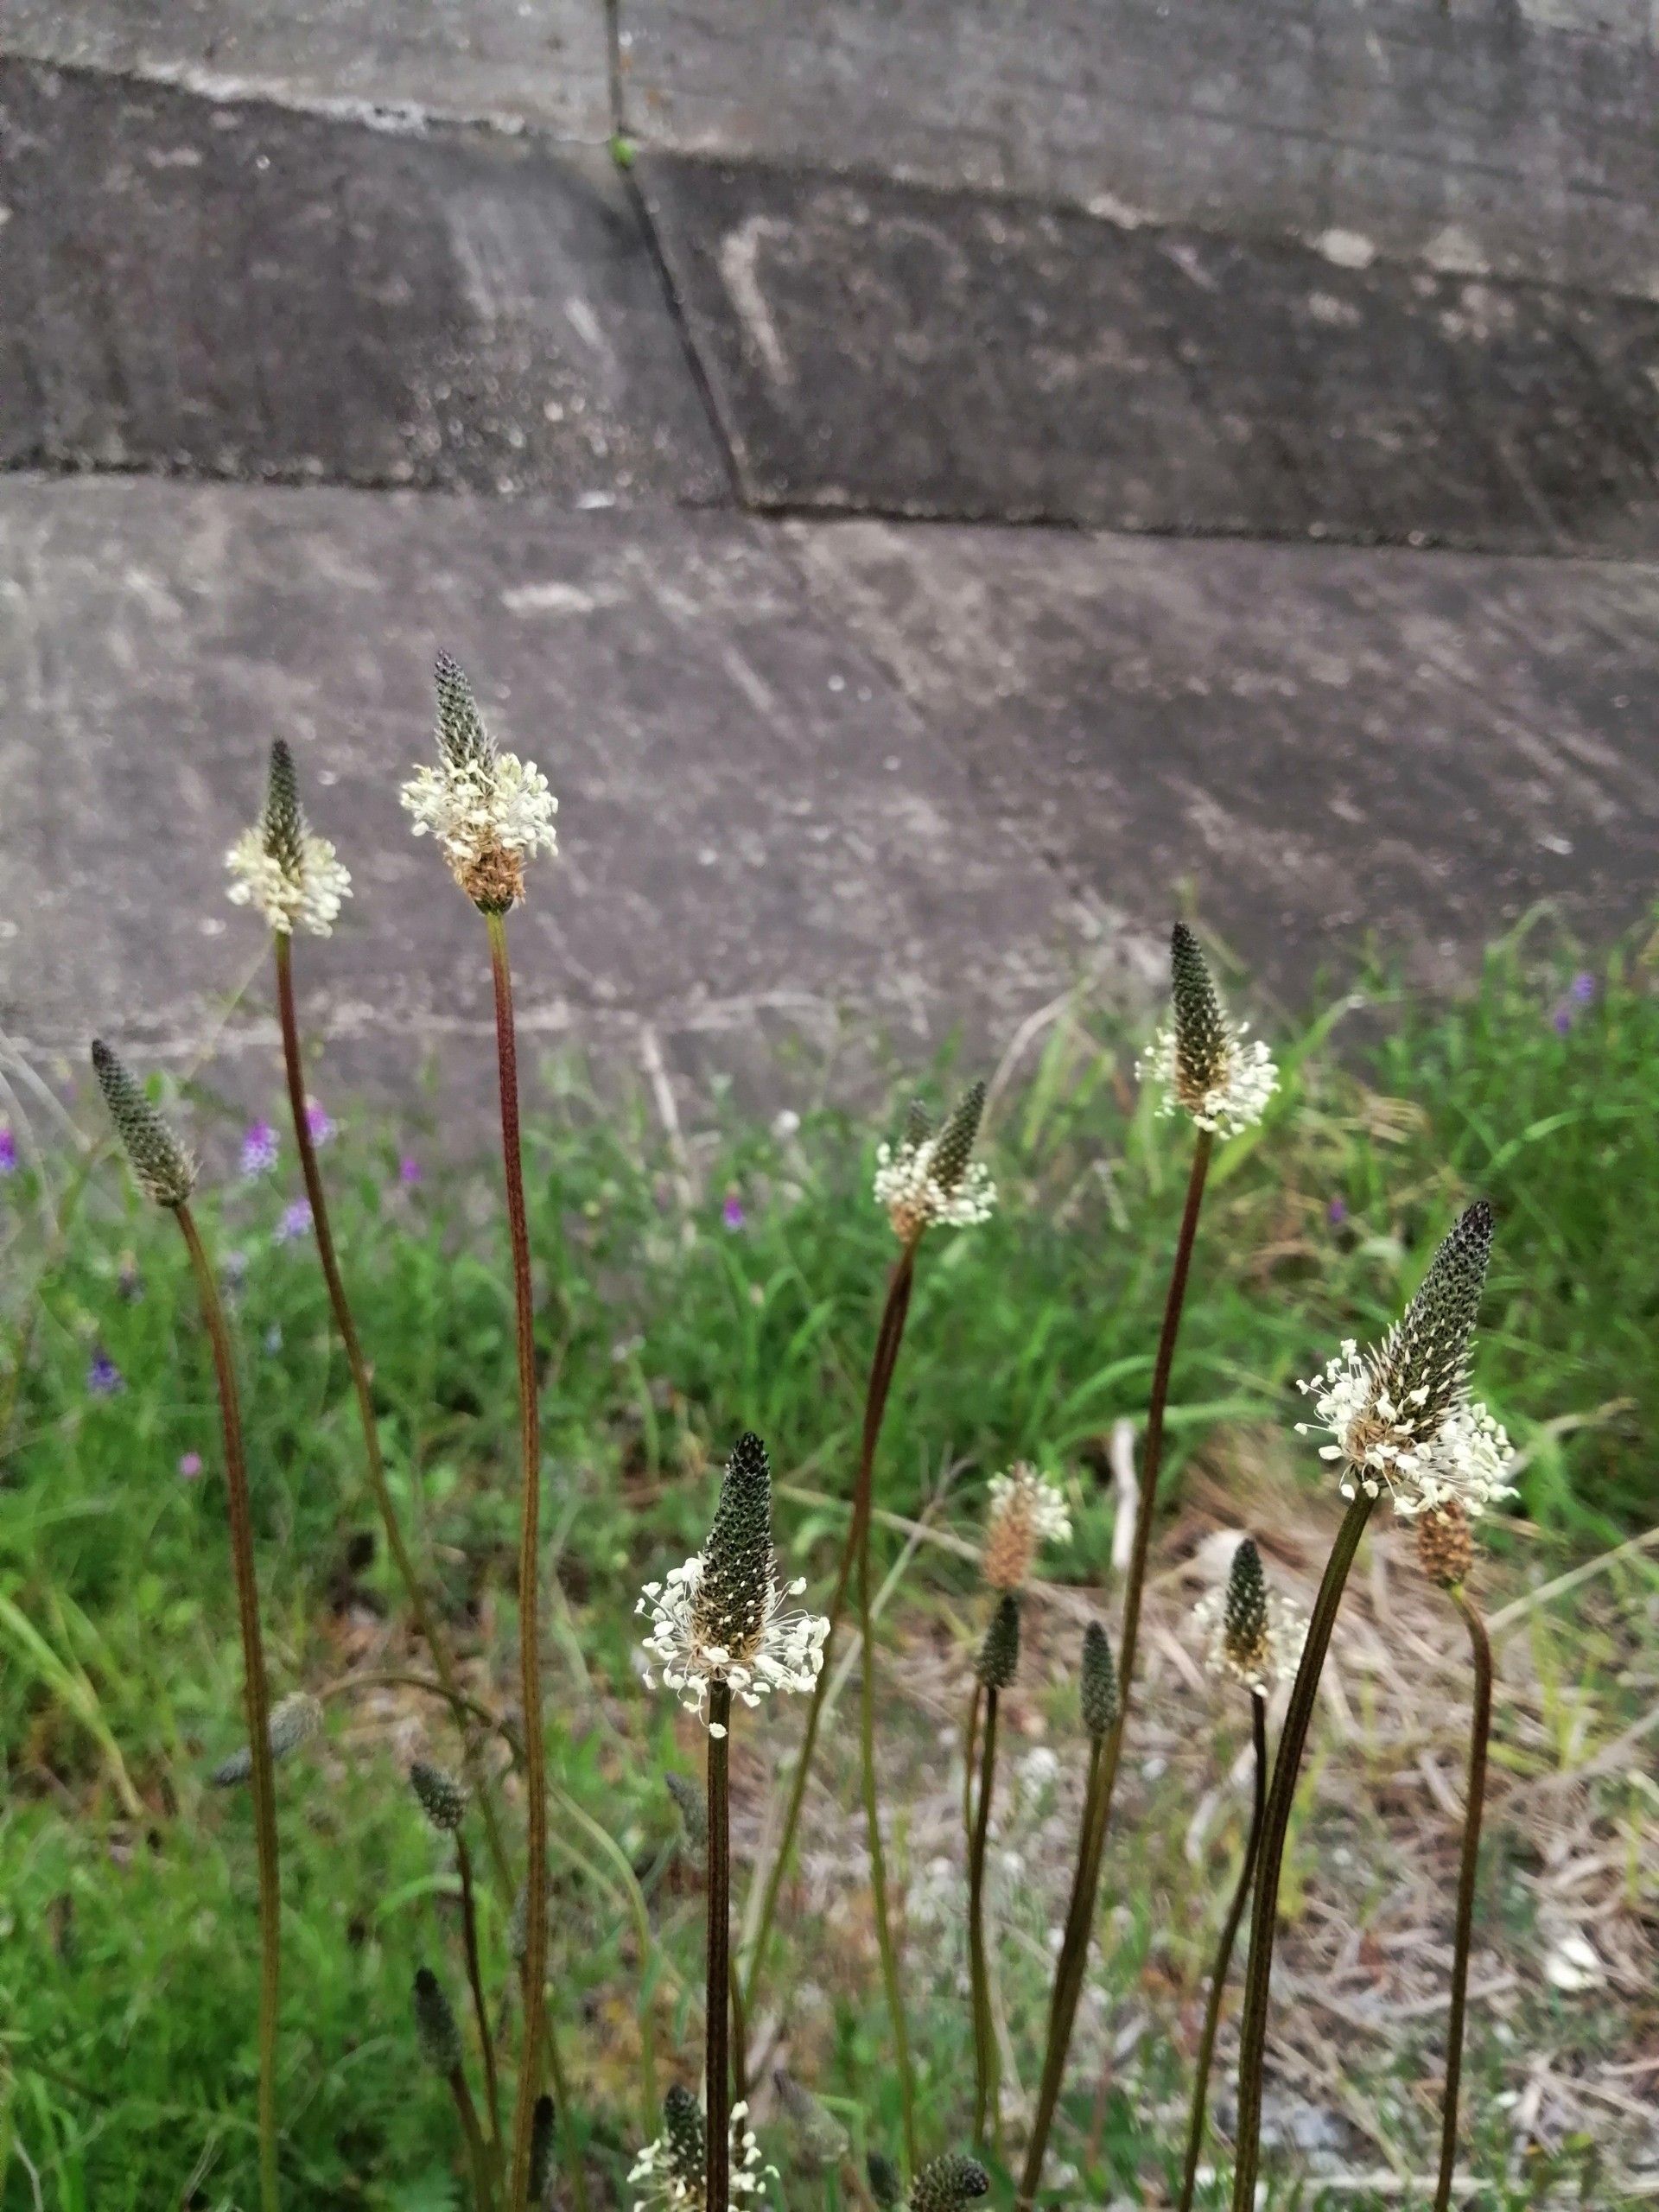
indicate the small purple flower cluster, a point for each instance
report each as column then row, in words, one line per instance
column 8, row 1150
column 260, row 1148
column 1581, row 992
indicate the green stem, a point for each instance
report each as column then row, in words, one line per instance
column 985, row 2052
column 426, row 1625
column 871, row 1793
column 888, row 1338
column 475, row 1981
column 1224, row 1951
column 717, row 2085
column 530, row 1670
column 1282, row 1793
column 477, row 2156
column 1074, row 1949
column 1480, row 1729
column 255, row 1697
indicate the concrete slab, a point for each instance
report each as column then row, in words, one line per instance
column 760, row 837
column 875, row 344
column 240, row 289
column 545, row 63
column 1477, row 135
column 1322, row 743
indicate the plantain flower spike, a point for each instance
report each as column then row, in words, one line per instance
column 670, row 2172
column 998, row 1655
column 1251, row 1634
column 437, row 2036
column 490, row 812
column 1399, row 1414
column 281, row 867
column 949, row 2184
column 292, row 1722
column 1203, row 1062
column 928, row 1178
column 442, row 1798
column 161, row 1166
column 1445, row 1544
column 1026, row 1510
column 1099, row 1689
column 542, row 2147
column 886, row 2183
column 721, row 1617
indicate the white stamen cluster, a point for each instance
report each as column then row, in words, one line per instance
column 1025, row 1510
column 913, row 1196
column 480, row 806
column 668, row 2178
column 1269, row 1656
column 784, row 1651
column 1461, row 1457
column 1235, row 1094
column 304, row 891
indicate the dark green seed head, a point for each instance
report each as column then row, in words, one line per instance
column 1098, row 1691
column 1244, row 1618
column 442, row 1798
column 955, row 1139
column 462, row 738
column 1201, row 1038
column 281, row 820
column 693, row 1808
column 949, row 2184
column 731, row 1603
column 1427, row 1349
column 436, row 2036
column 819, row 2137
column 160, row 1165
column 918, row 1124
column 998, row 1655
column 541, row 2153
column 683, row 2125
column 886, row 2183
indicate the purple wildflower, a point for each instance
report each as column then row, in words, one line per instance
column 190, row 1466
column 318, row 1126
column 259, row 1148
column 1561, row 1020
column 8, row 1150
column 732, row 1212
column 104, row 1378
column 296, row 1222
column 408, row 1171
column 1337, row 1212
column 1582, row 988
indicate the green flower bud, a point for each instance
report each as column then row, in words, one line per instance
column 1425, row 1358
column 462, row 737
column 956, row 1141
column 1202, row 1042
column 886, row 2183
column 436, row 2035
column 949, row 2184
column 442, row 1798
column 1098, row 1692
column 281, row 820
column 162, row 1167
column 731, row 1604
column 542, row 2148
column 998, row 1655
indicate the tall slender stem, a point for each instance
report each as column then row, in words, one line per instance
column 878, row 1855
column 1074, row 1950
column 1480, row 1729
column 1282, row 1793
column 476, row 1982
column 985, row 2051
column 530, row 1665
column 889, row 1337
column 256, row 1699
column 739, row 2036
column 477, row 2156
column 717, row 2087
column 1224, row 1950
column 436, row 1642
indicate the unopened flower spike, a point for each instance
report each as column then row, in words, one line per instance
column 490, row 812
column 295, row 1721
column 1205, row 1063
column 886, row 2183
column 281, row 869
column 721, row 1617
column 998, row 1655
column 1026, row 1510
column 1097, row 1693
column 671, row 2173
column 927, row 1179
column 819, row 2137
column 161, row 1166
column 1251, row 1635
column 949, row 2184
column 1399, row 1414
column 442, row 1798
column 543, row 2145
column 437, row 2035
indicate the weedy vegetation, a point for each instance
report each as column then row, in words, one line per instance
column 431, row 1608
